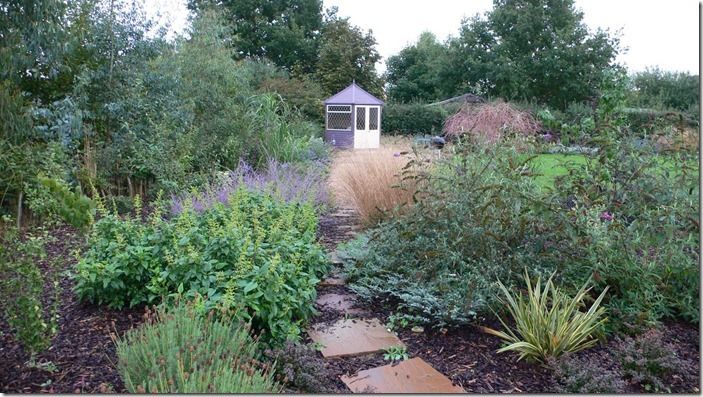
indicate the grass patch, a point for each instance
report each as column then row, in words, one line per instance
column 551, row 165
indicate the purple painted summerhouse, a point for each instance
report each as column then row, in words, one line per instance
column 353, row 119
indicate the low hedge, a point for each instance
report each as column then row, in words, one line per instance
column 410, row 119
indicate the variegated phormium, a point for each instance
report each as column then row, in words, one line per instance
column 548, row 323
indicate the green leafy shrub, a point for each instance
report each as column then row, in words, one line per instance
column 282, row 134
column 255, row 255
column 649, row 361
column 629, row 220
column 477, row 218
column 548, row 323
column 643, row 122
column 22, row 287
column 666, row 90
column 75, row 208
column 409, row 119
column 572, row 127
column 180, row 351
column 584, row 375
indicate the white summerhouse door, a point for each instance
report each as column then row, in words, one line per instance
column 367, row 133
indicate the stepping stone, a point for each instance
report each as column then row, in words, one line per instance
column 353, row 337
column 342, row 303
column 409, row 376
column 333, row 279
column 334, row 258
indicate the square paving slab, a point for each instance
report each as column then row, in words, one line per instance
column 353, row 337
column 334, row 279
column 409, row 376
column 334, row 258
column 339, row 302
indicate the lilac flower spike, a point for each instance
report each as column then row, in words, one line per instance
column 285, row 181
column 606, row 216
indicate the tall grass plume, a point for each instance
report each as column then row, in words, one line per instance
column 371, row 182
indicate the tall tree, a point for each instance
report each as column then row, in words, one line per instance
column 553, row 57
column 31, row 34
column 285, row 31
column 530, row 50
column 346, row 54
column 414, row 74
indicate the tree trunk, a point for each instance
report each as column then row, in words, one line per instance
column 19, row 209
column 131, row 188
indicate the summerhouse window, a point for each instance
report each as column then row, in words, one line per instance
column 339, row 117
column 373, row 118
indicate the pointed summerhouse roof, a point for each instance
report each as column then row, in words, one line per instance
column 354, row 95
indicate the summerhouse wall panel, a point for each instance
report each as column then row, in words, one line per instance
column 341, row 138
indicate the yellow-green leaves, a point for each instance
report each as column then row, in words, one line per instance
column 548, row 323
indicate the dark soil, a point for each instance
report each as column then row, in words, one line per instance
column 84, row 358
column 82, row 352
column 468, row 356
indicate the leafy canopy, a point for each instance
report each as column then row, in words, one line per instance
column 285, row 31
column 414, row 74
column 346, row 54
column 533, row 50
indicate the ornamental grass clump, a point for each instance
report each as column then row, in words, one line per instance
column 372, row 183
column 179, row 351
column 548, row 323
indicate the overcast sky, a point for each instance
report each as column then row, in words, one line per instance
column 660, row 33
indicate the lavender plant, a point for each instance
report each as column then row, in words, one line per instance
column 291, row 183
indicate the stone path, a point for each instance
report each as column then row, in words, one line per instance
column 409, row 376
column 355, row 335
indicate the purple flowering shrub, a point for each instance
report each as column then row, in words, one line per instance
column 285, row 181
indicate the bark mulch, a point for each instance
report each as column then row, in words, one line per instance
column 468, row 356
column 81, row 358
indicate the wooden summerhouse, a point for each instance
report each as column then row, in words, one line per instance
column 353, row 119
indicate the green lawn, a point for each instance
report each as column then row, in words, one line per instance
column 549, row 166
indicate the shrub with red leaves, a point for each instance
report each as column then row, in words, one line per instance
column 488, row 122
